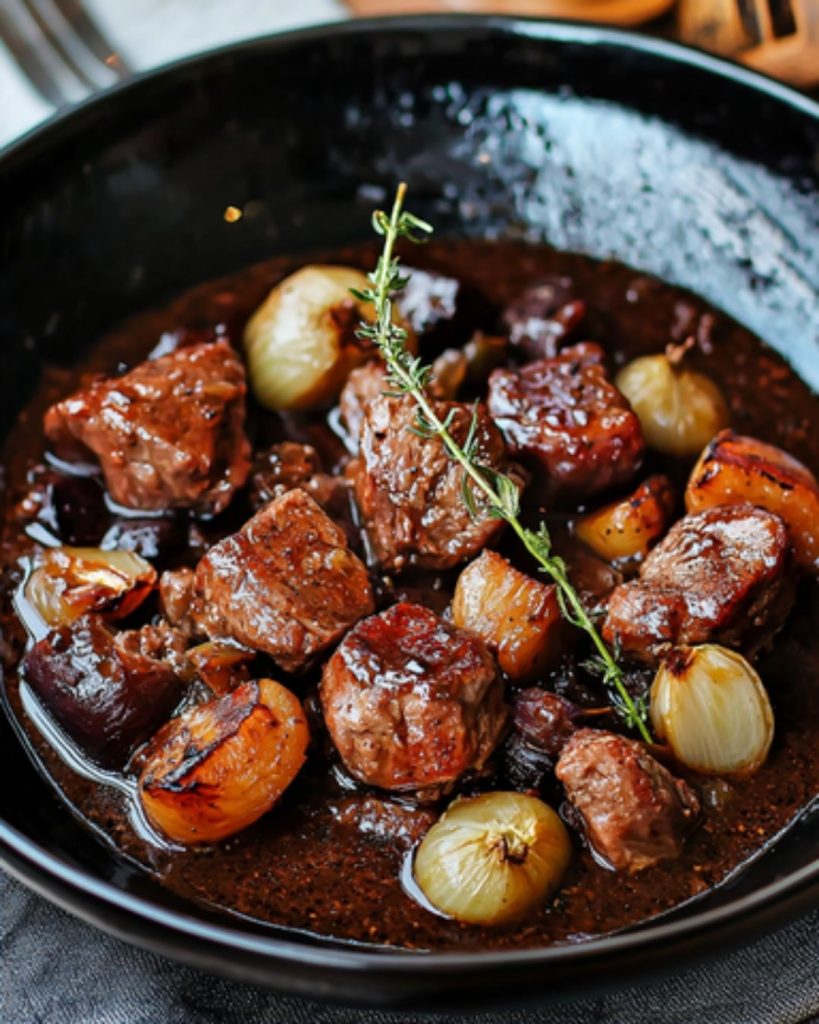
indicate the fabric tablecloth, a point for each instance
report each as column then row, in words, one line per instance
column 55, row 969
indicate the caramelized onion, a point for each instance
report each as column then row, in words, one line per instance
column 517, row 617
column 734, row 469
column 70, row 582
column 711, row 708
column 624, row 531
column 220, row 766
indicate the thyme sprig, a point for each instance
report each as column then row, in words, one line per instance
column 407, row 375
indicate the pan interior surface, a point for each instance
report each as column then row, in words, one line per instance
column 585, row 139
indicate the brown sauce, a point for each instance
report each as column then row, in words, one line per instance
column 325, row 860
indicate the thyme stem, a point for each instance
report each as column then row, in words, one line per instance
column 409, row 376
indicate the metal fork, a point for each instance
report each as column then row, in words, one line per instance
column 60, row 49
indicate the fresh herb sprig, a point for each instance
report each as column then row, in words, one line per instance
column 407, row 375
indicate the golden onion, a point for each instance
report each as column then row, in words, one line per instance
column 301, row 342
column 711, row 708
column 71, row 582
column 625, row 530
column 219, row 766
column 734, row 469
column 491, row 858
column 679, row 411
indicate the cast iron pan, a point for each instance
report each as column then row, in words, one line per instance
column 590, row 139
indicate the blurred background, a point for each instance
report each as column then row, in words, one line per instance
column 56, row 52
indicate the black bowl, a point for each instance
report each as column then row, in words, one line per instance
column 590, row 139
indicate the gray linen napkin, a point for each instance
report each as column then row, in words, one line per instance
column 54, row 969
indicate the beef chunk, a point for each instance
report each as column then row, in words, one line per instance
column 410, row 701
column 109, row 691
column 363, row 385
column 635, row 812
column 410, row 493
column 168, row 434
column 567, row 418
column 176, row 597
column 286, row 583
column 290, row 465
column 369, row 381
column 718, row 575
column 544, row 317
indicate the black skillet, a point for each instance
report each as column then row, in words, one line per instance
column 590, row 139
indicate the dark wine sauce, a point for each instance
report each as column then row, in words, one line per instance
column 332, row 859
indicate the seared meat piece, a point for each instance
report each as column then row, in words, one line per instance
column 566, row 417
column 410, row 493
column 717, row 575
column 286, row 466
column 363, row 385
column 635, row 812
column 109, row 691
column 168, row 434
column 369, row 381
column 410, row 701
column 286, row 583
column 543, row 317
column 176, row 596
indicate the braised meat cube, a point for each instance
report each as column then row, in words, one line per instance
column 409, row 491
column 168, row 434
column 176, row 597
column 718, row 575
column 109, row 691
column 543, row 317
column 289, row 465
column 369, row 381
column 363, row 385
column 636, row 814
column 565, row 417
column 286, row 584
column 410, row 701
